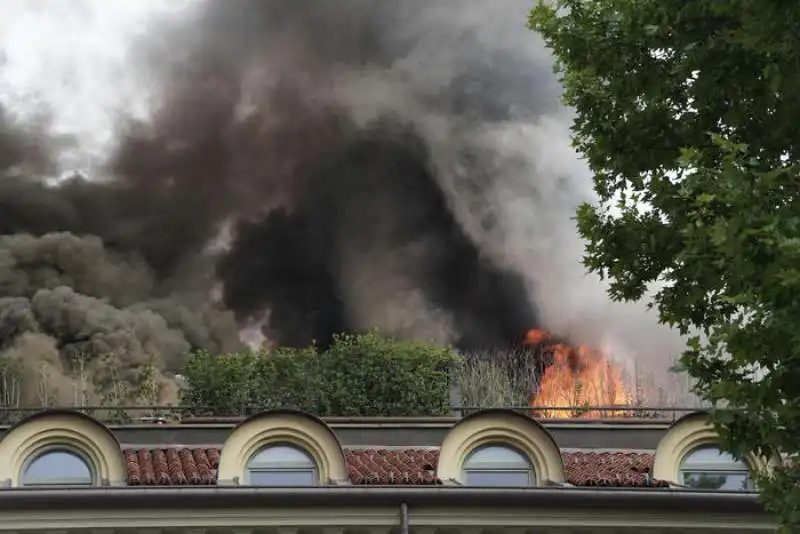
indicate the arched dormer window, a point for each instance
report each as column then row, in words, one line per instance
column 707, row 467
column 61, row 448
column 281, row 465
column 58, row 467
column 498, row 466
column 282, row 448
column 500, row 448
column 689, row 455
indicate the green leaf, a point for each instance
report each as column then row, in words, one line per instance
column 358, row 375
column 686, row 117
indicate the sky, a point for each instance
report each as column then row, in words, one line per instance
column 70, row 55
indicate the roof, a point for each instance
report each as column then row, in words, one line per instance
column 385, row 466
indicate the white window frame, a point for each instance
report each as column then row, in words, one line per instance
column 275, row 466
column 56, row 482
column 736, row 468
column 518, row 467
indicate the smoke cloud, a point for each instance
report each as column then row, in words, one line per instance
column 309, row 167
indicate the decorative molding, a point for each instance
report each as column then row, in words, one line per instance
column 295, row 428
column 368, row 520
column 687, row 434
column 62, row 429
column 502, row 427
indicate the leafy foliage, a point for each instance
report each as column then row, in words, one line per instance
column 359, row 375
column 686, row 114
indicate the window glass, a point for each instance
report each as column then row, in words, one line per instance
column 281, row 465
column 716, row 480
column 497, row 454
column 57, row 467
column 709, row 468
column 276, row 477
column 710, row 456
column 505, row 478
column 282, row 455
column 498, row 466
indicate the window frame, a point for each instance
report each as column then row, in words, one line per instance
column 57, row 448
column 732, row 467
column 523, row 466
column 273, row 466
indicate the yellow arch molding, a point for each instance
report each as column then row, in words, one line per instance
column 686, row 434
column 71, row 430
column 283, row 426
column 501, row 427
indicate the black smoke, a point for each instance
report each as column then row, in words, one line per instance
column 318, row 161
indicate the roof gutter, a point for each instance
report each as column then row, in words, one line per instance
column 187, row 498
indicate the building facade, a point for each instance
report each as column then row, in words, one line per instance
column 288, row 472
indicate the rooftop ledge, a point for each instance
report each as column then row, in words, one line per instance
column 164, row 426
column 118, row 498
column 145, row 416
column 430, row 420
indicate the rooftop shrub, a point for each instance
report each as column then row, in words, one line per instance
column 358, row 375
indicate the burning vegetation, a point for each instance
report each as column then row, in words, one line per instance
column 577, row 377
column 562, row 380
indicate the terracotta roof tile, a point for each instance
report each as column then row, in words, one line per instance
column 172, row 467
column 384, row 466
column 182, row 466
column 614, row 469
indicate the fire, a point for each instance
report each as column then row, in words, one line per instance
column 578, row 377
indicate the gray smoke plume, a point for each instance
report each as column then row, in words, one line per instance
column 66, row 302
column 356, row 145
column 332, row 166
column 346, row 148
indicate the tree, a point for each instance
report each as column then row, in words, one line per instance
column 686, row 114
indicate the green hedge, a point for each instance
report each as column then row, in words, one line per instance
column 359, row 375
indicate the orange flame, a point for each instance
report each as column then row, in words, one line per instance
column 578, row 377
